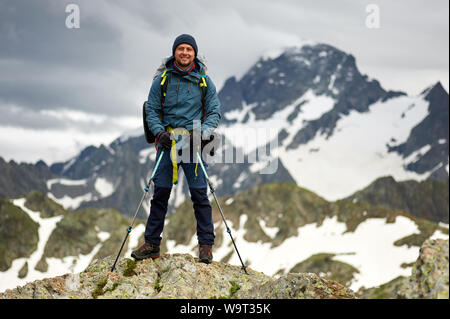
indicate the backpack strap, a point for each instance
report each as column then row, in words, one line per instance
column 164, row 84
column 203, row 88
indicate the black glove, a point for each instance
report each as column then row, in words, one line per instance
column 164, row 139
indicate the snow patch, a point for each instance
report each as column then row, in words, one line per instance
column 147, row 153
column 103, row 187
column 9, row 278
column 239, row 180
column 239, row 115
column 443, row 225
column 438, row 234
column 69, row 164
column 357, row 152
column 133, row 240
column 179, row 194
column 416, row 155
column 258, row 166
column 71, row 203
column 256, row 133
column 64, row 181
column 229, row 201
column 313, row 108
column 269, row 231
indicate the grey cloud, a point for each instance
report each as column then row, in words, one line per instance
column 27, row 118
column 105, row 67
column 52, row 87
column 44, row 65
column 14, row 116
column 36, row 31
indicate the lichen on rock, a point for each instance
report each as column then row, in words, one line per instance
column 429, row 278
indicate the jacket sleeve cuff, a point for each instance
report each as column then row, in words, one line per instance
column 157, row 129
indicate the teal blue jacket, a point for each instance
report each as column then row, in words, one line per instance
column 183, row 102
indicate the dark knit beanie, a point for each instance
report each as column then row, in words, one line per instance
column 184, row 38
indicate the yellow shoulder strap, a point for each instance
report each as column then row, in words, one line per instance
column 164, row 76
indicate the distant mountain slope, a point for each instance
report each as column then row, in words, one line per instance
column 41, row 239
column 430, row 136
column 19, row 179
column 115, row 176
column 427, row 199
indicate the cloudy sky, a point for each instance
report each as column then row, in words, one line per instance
column 62, row 88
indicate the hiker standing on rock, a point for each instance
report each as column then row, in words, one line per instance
column 180, row 96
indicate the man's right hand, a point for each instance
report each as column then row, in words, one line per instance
column 165, row 139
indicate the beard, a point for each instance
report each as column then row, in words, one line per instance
column 185, row 64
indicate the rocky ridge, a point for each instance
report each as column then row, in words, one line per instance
column 177, row 276
column 181, row 276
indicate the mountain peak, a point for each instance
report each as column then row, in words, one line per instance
column 434, row 90
column 434, row 87
column 178, row 276
column 274, row 53
column 136, row 132
column 284, row 75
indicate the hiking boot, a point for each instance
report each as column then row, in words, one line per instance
column 205, row 254
column 146, row 250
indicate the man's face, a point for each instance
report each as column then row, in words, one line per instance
column 184, row 54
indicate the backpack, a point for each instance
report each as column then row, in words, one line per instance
column 149, row 137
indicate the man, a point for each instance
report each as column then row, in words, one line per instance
column 180, row 108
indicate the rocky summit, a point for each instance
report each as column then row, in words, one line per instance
column 179, row 276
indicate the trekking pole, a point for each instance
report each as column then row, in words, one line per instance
column 146, row 189
column 211, row 188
